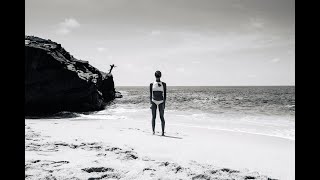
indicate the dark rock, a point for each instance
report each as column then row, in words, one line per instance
column 118, row 95
column 56, row 81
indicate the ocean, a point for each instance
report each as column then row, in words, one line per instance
column 263, row 110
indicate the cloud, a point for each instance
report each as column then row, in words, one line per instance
column 275, row 60
column 67, row 26
column 70, row 23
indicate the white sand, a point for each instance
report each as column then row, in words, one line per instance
column 196, row 149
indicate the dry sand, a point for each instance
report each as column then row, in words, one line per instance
column 118, row 148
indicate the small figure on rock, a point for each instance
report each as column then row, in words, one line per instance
column 112, row 66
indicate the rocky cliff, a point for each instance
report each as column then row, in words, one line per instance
column 56, row 81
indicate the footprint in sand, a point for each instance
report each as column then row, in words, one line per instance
column 59, row 163
column 145, row 158
column 46, row 163
column 107, row 176
column 110, row 171
column 148, row 169
column 97, row 169
column 201, row 176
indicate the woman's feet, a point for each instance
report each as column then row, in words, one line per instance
column 161, row 134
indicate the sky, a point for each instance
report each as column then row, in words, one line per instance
column 192, row 42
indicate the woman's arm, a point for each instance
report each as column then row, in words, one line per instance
column 150, row 93
column 165, row 93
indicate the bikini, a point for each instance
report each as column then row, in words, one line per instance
column 157, row 93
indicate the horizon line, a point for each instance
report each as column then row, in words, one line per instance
column 210, row 85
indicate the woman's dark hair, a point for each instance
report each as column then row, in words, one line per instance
column 157, row 74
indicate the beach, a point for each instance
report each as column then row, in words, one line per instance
column 62, row 148
column 224, row 141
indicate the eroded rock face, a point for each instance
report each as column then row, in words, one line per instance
column 56, row 81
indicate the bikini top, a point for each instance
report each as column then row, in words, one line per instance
column 157, row 91
column 157, row 86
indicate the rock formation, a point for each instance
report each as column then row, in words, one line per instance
column 56, row 81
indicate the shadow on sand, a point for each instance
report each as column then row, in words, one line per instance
column 175, row 137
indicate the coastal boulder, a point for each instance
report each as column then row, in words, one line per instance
column 56, row 81
column 118, row 94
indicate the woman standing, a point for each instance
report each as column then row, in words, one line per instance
column 158, row 94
